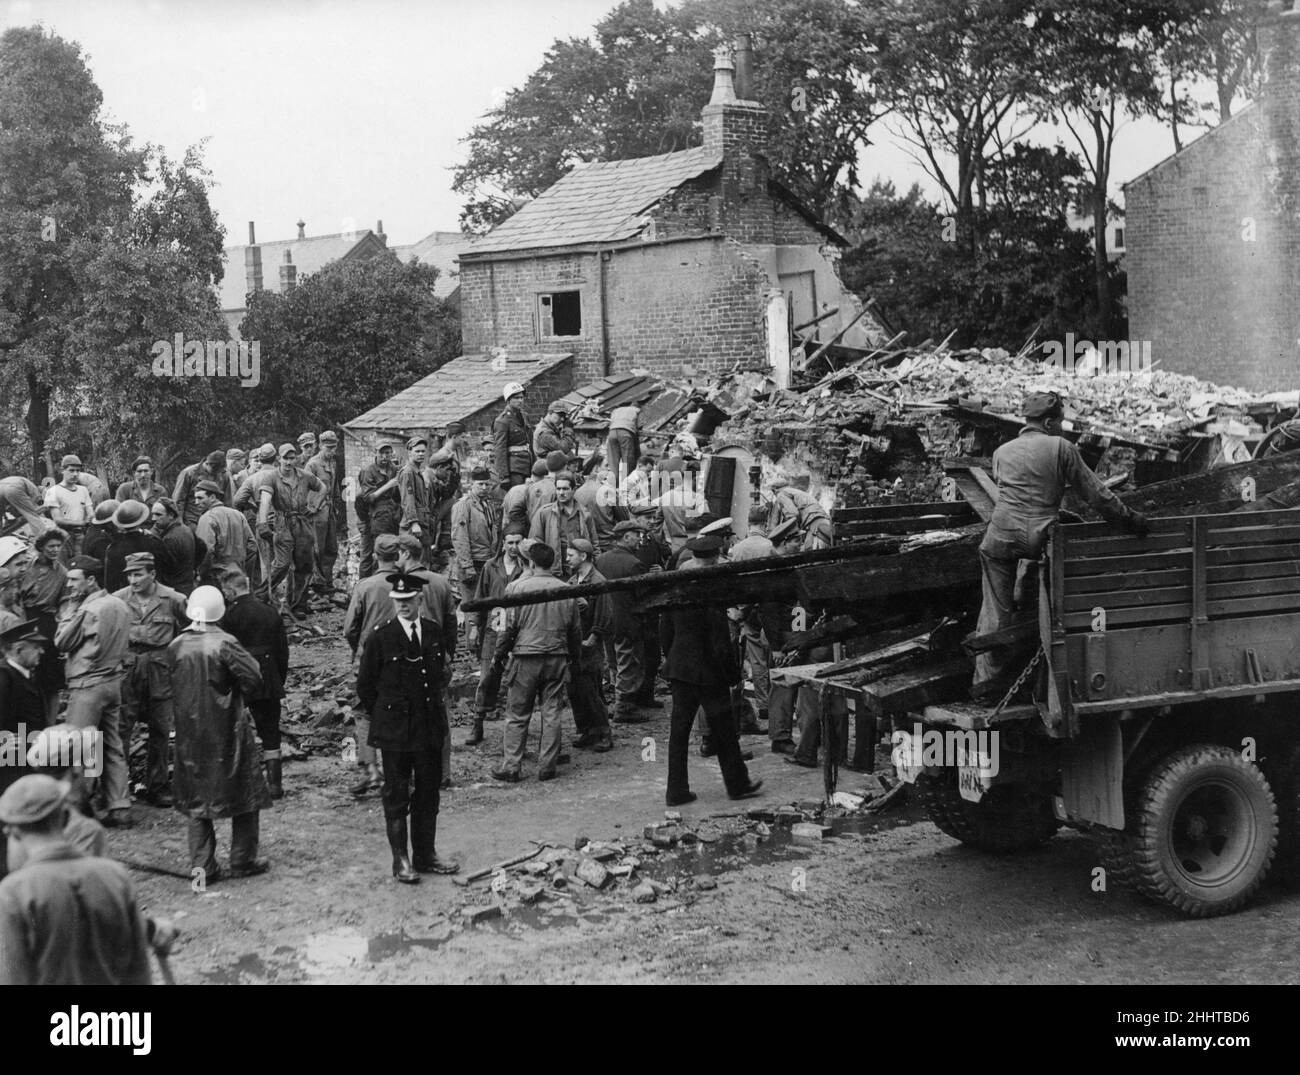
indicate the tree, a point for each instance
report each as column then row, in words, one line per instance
column 638, row 87
column 104, row 247
column 341, row 342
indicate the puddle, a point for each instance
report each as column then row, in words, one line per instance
column 247, row 970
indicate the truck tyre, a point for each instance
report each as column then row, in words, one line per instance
column 1284, row 779
column 1010, row 817
column 1116, row 850
column 1204, row 830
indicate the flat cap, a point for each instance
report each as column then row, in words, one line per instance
column 455, row 427
column 480, row 474
column 31, row 798
column 409, row 543
column 138, row 560
column 705, row 543
column 307, row 438
column 70, row 461
column 628, row 526
column 266, row 452
column 287, row 449
column 718, row 526
column 1043, row 405
column 414, row 442
column 385, row 448
column 539, row 469
column 386, row 545
column 209, row 487
column 235, row 453
column 329, row 437
column 583, row 546
column 88, row 564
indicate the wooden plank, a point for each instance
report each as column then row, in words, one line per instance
column 1239, row 606
column 1127, row 617
column 931, row 684
column 863, row 527
column 902, row 511
column 1269, row 569
column 1249, row 554
column 934, row 567
column 1122, row 544
column 1265, row 517
column 1222, row 485
column 1164, row 595
column 911, row 646
column 1126, row 580
column 1102, row 565
column 972, row 491
column 1259, row 588
column 1254, row 536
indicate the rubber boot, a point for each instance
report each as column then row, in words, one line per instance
column 476, row 736
column 402, row 868
column 274, row 776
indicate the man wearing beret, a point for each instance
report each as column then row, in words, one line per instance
column 94, row 634
column 1032, row 472
column 330, row 519
column 157, row 616
column 66, row 918
column 225, row 531
column 475, row 528
column 400, row 682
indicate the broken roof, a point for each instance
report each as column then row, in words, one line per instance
column 600, row 202
column 661, row 403
column 455, row 391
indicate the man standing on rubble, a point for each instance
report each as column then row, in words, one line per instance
column 511, row 440
column 1032, row 473
column 810, row 518
column 624, row 441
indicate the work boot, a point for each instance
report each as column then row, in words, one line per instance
column 274, row 777
column 368, row 782
column 402, row 868
column 509, row 776
column 707, row 749
column 603, row 745
column 476, row 736
column 249, row 869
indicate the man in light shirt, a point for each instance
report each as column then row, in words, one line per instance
column 70, row 506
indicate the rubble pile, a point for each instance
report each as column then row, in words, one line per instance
column 893, row 419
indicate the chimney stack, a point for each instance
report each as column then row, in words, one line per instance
column 302, row 228
column 744, row 68
column 724, row 90
column 379, row 231
column 736, row 131
column 252, row 262
column 288, row 274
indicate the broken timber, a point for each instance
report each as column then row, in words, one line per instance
column 1222, row 489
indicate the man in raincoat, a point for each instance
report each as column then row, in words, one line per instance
column 218, row 764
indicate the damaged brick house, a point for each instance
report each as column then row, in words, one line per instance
column 1214, row 237
column 696, row 259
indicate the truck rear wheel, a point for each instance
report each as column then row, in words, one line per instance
column 1204, row 831
column 1010, row 817
column 1284, row 779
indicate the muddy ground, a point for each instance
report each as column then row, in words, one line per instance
column 886, row 899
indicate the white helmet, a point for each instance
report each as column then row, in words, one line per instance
column 514, row 388
column 11, row 547
column 206, row 605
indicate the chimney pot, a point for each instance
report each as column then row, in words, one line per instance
column 744, row 67
column 252, row 235
column 302, row 228
column 724, row 90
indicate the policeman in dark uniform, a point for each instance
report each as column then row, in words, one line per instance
column 400, row 683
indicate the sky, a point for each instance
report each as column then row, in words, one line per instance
column 346, row 112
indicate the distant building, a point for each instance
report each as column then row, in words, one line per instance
column 439, row 249
column 1214, row 237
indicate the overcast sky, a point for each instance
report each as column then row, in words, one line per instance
column 345, row 112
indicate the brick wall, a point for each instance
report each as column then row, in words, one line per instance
column 1213, row 241
column 740, row 132
column 700, row 303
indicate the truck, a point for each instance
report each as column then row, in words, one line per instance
column 1164, row 712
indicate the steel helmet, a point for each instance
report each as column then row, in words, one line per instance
column 206, row 605
column 514, row 388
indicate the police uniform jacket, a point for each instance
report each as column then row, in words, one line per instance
column 401, row 691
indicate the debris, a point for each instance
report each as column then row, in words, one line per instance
column 848, row 800
column 672, row 815
column 705, row 883
column 644, row 893
column 592, row 873
column 474, row 915
column 807, row 831
column 529, row 893
column 579, row 842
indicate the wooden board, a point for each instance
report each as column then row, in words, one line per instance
column 930, row 684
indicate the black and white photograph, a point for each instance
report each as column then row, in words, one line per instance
column 652, row 492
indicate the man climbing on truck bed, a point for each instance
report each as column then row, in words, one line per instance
column 1032, row 472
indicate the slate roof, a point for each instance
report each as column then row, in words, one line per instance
column 600, row 202
column 439, row 249
column 457, row 390
column 309, row 255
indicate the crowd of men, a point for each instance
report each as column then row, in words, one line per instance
column 170, row 612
